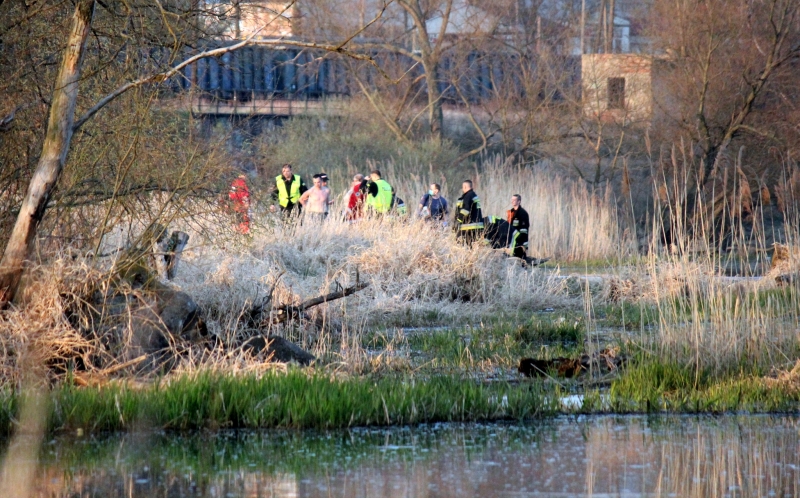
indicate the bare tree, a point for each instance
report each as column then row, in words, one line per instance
column 419, row 31
column 54, row 152
column 731, row 62
column 430, row 52
column 730, row 59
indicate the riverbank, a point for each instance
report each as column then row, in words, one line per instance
column 292, row 399
column 314, row 398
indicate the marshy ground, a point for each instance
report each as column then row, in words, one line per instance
column 417, row 371
column 436, row 333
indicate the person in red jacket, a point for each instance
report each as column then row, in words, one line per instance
column 355, row 199
column 240, row 202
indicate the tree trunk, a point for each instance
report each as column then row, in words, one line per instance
column 602, row 28
column 434, row 99
column 53, row 157
column 429, row 56
column 610, row 39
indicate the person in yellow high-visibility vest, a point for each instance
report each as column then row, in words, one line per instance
column 288, row 189
column 379, row 194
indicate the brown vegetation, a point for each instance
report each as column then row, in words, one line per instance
column 157, row 168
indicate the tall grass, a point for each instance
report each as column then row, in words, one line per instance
column 568, row 221
column 418, row 274
column 293, row 400
column 658, row 384
column 719, row 325
column 38, row 331
column 413, row 268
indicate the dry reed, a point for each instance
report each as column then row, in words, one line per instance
column 718, row 324
column 418, row 274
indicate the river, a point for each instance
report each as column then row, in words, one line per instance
column 684, row 456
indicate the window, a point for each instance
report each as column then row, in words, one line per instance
column 616, row 93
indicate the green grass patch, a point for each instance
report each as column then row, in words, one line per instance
column 296, row 399
column 502, row 344
column 782, row 300
column 301, row 399
column 417, row 318
column 562, row 329
column 628, row 315
column 651, row 384
column 463, row 349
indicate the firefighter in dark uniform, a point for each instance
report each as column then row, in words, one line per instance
column 288, row 189
column 519, row 223
column 469, row 219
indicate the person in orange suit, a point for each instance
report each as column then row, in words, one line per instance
column 239, row 196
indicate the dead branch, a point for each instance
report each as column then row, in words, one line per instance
column 281, row 314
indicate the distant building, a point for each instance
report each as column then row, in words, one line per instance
column 630, row 17
column 623, row 88
column 256, row 18
column 593, row 42
column 465, row 20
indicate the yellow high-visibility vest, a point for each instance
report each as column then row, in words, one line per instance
column 293, row 195
column 382, row 202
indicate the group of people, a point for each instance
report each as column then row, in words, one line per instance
column 371, row 194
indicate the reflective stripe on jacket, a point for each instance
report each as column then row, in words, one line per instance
column 468, row 212
column 520, row 235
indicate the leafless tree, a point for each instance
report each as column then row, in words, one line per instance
column 733, row 65
column 732, row 61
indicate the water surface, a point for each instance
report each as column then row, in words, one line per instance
column 567, row 456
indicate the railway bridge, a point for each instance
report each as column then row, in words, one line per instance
column 281, row 82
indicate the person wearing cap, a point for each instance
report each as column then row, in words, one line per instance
column 288, row 189
column 239, row 196
column 519, row 223
column 324, row 179
column 380, row 194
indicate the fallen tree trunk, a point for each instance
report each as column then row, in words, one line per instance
column 282, row 313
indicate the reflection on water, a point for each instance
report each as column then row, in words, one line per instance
column 587, row 456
